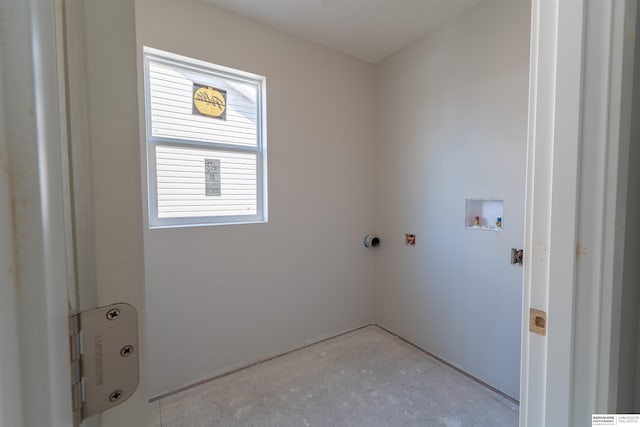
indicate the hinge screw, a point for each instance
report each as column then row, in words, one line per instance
column 115, row 395
column 113, row 314
column 126, row 351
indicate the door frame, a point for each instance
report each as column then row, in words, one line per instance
column 39, row 193
column 10, row 384
column 50, row 223
column 580, row 77
column 559, row 210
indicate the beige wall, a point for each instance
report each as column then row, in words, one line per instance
column 223, row 296
column 454, row 126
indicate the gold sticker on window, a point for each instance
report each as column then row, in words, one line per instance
column 209, row 101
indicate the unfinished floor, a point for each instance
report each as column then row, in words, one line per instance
column 364, row 378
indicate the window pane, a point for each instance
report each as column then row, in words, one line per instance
column 196, row 182
column 171, row 93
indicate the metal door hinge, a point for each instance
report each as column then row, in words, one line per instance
column 104, row 358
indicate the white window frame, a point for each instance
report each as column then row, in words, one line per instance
column 260, row 150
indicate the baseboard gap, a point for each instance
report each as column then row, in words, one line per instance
column 449, row 364
column 249, row 365
column 320, row 341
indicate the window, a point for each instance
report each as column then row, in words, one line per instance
column 206, row 144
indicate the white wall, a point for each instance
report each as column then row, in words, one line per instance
column 223, row 296
column 452, row 115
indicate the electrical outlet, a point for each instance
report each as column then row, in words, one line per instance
column 517, row 256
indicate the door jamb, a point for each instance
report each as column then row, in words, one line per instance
column 36, row 157
column 574, row 207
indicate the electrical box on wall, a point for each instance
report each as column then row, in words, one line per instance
column 485, row 214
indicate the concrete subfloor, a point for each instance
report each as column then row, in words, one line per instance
column 366, row 378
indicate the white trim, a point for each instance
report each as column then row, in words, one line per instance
column 54, row 350
column 112, row 107
column 551, row 210
column 590, row 244
column 537, row 207
column 74, row 82
column 77, row 160
column 10, row 366
column 571, row 205
column 36, row 152
column 565, row 182
column 65, row 154
column 199, row 65
column 615, row 214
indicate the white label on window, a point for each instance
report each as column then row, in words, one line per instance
column 212, row 177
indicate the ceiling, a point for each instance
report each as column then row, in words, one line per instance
column 367, row 29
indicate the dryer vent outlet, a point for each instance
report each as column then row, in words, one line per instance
column 371, row 241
